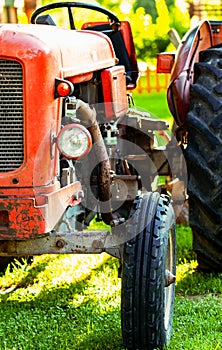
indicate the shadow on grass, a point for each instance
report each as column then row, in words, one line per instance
column 70, row 316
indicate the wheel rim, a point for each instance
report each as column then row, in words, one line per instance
column 169, row 280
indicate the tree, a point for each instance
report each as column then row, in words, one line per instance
column 150, row 7
column 150, row 21
column 151, row 37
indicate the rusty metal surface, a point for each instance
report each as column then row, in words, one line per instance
column 124, row 187
column 89, row 242
column 88, row 116
column 65, row 238
column 33, row 215
column 143, row 121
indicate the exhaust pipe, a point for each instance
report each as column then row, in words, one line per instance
column 87, row 115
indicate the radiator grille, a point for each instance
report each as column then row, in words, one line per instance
column 11, row 115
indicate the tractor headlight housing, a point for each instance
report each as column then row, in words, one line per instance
column 74, row 141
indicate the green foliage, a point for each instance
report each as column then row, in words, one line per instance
column 151, row 7
column 180, row 18
column 150, row 30
column 184, row 244
column 153, row 38
column 72, row 302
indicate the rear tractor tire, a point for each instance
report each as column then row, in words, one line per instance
column 204, row 160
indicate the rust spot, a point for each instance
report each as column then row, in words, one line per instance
column 97, row 244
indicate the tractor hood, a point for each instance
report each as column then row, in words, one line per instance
column 32, row 57
column 76, row 51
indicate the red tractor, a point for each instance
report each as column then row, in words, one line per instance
column 195, row 101
column 74, row 148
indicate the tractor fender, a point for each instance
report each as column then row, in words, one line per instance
column 178, row 94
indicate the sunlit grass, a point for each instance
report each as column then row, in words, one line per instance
column 185, row 269
column 72, row 302
column 60, row 302
column 49, row 271
column 156, row 103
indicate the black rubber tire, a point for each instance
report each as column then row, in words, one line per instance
column 146, row 304
column 204, row 159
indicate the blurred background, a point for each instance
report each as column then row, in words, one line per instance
column 150, row 20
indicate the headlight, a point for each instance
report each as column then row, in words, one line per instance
column 74, row 141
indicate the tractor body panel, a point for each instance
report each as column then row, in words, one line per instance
column 196, row 40
column 32, row 199
column 195, row 98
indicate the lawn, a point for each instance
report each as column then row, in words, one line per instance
column 156, row 103
column 72, row 302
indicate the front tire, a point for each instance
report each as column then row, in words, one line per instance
column 204, row 160
column 148, row 276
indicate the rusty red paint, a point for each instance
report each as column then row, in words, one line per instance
column 31, row 217
column 31, row 200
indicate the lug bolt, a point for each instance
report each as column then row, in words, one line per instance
column 169, row 278
column 60, row 243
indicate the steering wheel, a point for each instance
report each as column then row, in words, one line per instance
column 69, row 5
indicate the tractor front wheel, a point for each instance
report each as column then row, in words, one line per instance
column 148, row 275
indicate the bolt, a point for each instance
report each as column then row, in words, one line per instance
column 78, row 195
column 169, row 278
column 60, row 243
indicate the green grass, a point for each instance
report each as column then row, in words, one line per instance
column 61, row 302
column 72, row 302
column 155, row 103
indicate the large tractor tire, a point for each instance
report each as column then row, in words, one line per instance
column 148, row 275
column 204, row 159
